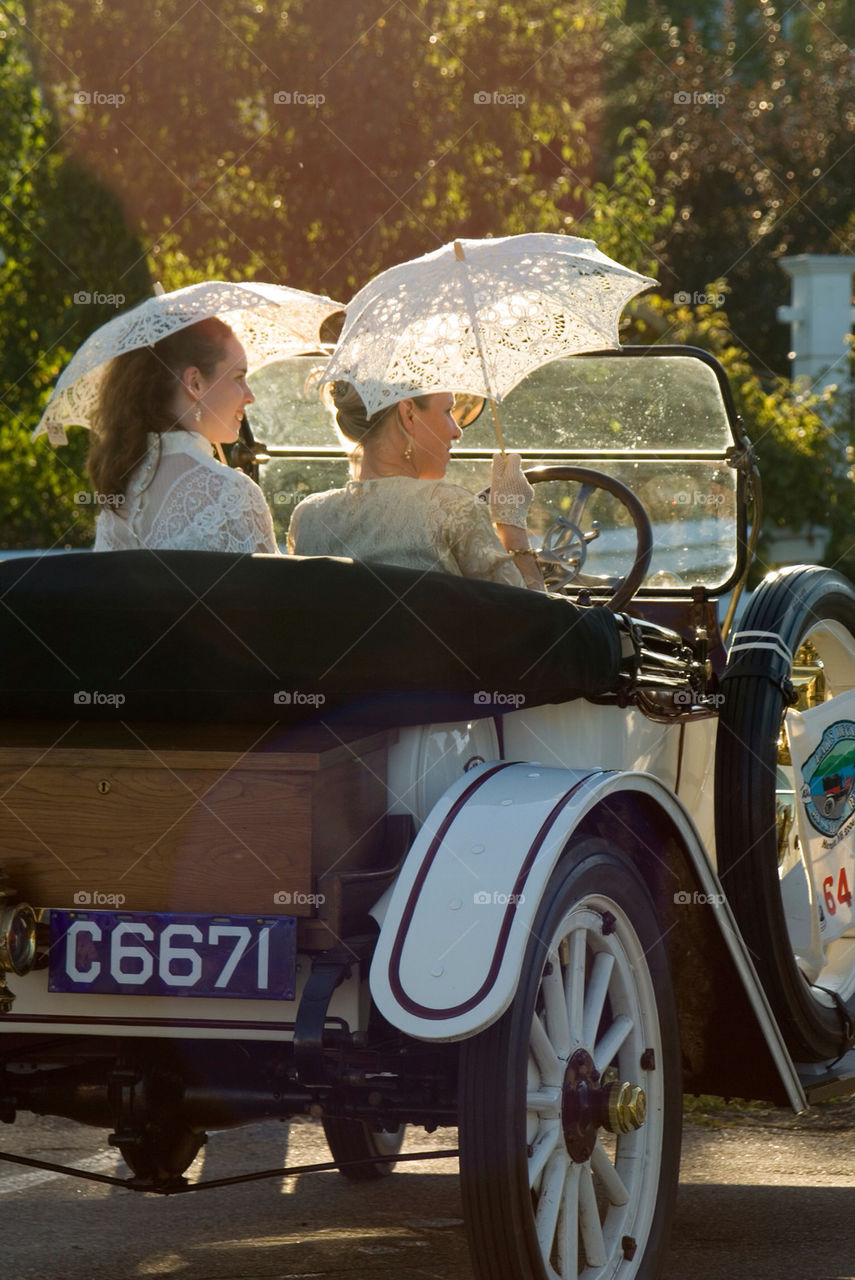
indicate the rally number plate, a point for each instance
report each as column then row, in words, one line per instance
column 151, row 954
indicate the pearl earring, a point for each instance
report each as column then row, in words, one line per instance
column 408, row 452
column 197, row 416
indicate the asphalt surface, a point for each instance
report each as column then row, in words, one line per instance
column 763, row 1197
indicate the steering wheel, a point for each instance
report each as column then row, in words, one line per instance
column 565, row 544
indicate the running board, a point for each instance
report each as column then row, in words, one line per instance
column 822, row 1082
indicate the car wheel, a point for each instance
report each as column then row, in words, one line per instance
column 351, row 1140
column 570, row 1105
column 760, row 862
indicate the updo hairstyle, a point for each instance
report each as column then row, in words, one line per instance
column 353, row 422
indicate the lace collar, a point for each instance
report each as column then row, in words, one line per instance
column 162, row 443
column 181, row 442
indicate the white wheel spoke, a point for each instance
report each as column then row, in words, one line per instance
column 609, row 1178
column 551, row 1070
column 595, row 996
column 550, row 1135
column 545, row 1101
column 611, row 1042
column 589, row 1220
column 549, row 1202
column 568, row 1226
column 574, row 985
column 557, row 1019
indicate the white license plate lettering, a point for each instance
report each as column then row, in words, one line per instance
column 132, row 962
column 146, row 953
column 179, row 966
column 241, row 935
column 83, row 970
column 263, row 957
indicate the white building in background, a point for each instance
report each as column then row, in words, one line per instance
column 821, row 317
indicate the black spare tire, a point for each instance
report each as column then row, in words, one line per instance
column 814, row 1003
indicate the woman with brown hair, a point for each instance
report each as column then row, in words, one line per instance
column 399, row 509
column 161, row 409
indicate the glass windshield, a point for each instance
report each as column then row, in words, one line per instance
column 288, row 409
column 645, row 421
column 665, row 403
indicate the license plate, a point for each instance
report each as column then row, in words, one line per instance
column 151, row 954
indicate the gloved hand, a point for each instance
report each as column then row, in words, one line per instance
column 510, row 493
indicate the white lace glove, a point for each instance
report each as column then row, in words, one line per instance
column 510, row 493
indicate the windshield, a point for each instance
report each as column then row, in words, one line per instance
column 658, row 423
column 664, row 403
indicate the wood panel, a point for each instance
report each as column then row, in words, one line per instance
column 185, row 830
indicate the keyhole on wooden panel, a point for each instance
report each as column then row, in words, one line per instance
column 104, row 786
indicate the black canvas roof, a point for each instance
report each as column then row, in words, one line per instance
column 207, row 636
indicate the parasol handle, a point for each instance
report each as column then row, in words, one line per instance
column 494, row 408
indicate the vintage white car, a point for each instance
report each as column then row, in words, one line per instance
column 288, row 836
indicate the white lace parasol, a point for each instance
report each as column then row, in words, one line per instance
column 478, row 315
column 271, row 321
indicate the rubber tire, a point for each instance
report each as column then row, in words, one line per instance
column 357, row 1140
column 790, row 605
column 492, row 1117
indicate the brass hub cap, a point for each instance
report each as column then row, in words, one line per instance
column 588, row 1106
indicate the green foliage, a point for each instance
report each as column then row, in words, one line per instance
column 316, row 143
column 629, row 215
column 803, row 445
column 63, row 238
column 752, row 115
column 45, row 499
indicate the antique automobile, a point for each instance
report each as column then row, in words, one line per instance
column 288, row 836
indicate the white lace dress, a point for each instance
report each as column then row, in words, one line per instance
column 180, row 498
column 418, row 524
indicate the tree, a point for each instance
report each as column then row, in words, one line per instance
column 752, row 138
column 315, row 142
column 63, row 246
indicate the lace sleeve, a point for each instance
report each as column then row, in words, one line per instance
column 260, row 520
column 475, row 545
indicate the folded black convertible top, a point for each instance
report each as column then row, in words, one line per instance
column 141, row 635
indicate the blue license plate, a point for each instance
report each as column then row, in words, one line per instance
column 152, row 954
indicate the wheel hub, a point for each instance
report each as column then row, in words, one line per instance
column 587, row 1106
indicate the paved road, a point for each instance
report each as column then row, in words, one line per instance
column 765, row 1202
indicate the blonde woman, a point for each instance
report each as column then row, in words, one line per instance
column 399, row 509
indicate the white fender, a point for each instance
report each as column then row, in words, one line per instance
column 451, row 946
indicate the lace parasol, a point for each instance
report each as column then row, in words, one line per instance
column 271, row 321
column 478, row 315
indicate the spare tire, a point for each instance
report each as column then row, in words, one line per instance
column 814, row 1003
